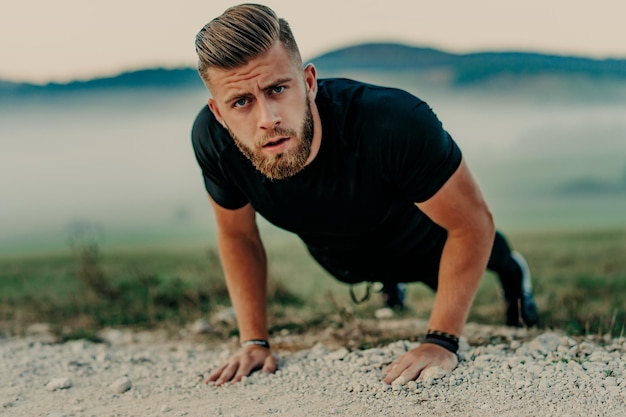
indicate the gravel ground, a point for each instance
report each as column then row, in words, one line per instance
column 512, row 373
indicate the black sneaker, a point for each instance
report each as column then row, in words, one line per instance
column 393, row 295
column 522, row 312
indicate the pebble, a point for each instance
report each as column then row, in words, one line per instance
column 201, row 326
column 384, row 313
column 121, row 385
column 338, row 354
column 59, row 383
column 548, row 375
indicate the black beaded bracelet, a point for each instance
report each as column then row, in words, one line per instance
column 257, row 342
column 445, row 340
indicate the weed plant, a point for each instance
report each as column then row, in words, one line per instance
column 579, row 281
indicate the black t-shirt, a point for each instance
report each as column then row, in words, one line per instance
column 382, row 150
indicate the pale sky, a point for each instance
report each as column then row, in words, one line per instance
column 60, row 40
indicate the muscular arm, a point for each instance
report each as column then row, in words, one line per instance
column 459, row 208
column 245, row 267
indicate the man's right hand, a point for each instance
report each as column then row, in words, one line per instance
column 247, row 360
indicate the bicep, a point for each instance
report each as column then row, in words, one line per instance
column 459, row 204
column 235, row 222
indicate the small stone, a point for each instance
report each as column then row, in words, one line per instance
column 384, row 313
column 59, row 383
column 121, row 385
column 338, row 354
column 586, row 348
column 600, row 356
column 78, row 346
column 38, row 329
column 102, row 357
column 201, row 326
column 225, row 316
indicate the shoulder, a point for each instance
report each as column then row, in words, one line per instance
column 203, row 126
column 367, row 111
column 343, row 91
column 208, row 136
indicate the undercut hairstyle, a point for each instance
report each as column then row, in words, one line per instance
column 240, row 34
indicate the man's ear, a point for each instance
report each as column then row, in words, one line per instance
column 310, row 80
column 216, row 111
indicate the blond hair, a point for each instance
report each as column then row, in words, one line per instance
column 240, row 34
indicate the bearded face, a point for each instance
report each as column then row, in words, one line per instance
column 285, row 164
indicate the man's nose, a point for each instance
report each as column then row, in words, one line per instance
column 268, row 114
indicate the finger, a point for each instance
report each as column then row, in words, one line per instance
column 427, row 370
column 215, row 374
column 432, row 372
column 411, row 374
column 436, row 371
column 396, row 371
column 246, row 367
column 227, row 373
column 390, row 367
column 270, row 365
column 408, row 367
column 401, row 380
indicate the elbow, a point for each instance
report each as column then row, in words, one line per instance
column 488, row 226
column 489, row 222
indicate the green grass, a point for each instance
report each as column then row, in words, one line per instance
column 579, row 278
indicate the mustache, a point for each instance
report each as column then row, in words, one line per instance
column 277, row 131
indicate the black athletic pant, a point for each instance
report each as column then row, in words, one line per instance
column 500, row 262
column 427, row 271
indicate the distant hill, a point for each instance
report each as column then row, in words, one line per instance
column 472, row 69
column 160, row 78
column 590, row 186
column 468, row 68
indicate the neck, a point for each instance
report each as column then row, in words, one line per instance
column 317, row 134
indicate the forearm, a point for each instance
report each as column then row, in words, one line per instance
column 463, row 262
column 245, row 267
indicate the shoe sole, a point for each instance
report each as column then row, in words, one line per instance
column 527, row 285
column 527, row 302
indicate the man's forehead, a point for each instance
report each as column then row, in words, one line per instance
column 260, row 72
column 233, row 88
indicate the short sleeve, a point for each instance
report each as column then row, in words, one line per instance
column 418, row 155
column 210, row 142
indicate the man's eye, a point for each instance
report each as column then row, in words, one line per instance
column 240, row 103
column 278, row 89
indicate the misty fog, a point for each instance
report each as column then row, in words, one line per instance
column 123, row 160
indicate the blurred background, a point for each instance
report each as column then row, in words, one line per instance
column 104, row 220
column 97, row 102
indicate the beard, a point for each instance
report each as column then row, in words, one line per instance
column 285, row 164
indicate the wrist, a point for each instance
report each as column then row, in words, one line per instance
column 256, row 342
column 445, row 340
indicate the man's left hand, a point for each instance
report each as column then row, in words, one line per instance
column 412, row 364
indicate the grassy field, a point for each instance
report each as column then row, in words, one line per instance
column 579, row 278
